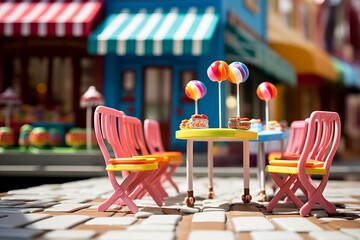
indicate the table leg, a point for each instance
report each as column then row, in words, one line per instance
column 190, row 199
column 210, row 159
column 261, row 172
column 246, row 198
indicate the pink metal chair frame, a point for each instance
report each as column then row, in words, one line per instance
column 135, row 142
column 107, row 123
column 322, row 141
column 155, row 144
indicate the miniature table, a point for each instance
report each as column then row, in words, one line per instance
column 265, row 136
column 211, row 135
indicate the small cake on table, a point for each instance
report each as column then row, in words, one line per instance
column 239, row 123
column 184, row 124
column 198, row 121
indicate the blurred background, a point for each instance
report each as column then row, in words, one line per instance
column 138, row 56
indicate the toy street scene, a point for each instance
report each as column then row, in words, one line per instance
column 180, row 120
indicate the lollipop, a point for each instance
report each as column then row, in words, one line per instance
column 218, row 71
column 239, row 73
column 195, row 90
column 266, row 91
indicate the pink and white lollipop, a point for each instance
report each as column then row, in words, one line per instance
column 239, row 73
column 218, row 71
column 195, row 90
column 266, row 91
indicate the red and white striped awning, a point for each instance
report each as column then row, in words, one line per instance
column 44, row 18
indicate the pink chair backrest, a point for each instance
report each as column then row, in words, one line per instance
column 322, row 138
column 296, row 136
column 133, row 132
column 153, row 136
column 107, row 122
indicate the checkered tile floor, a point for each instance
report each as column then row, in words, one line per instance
column 68, row 211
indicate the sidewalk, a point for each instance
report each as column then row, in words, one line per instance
column 68, row 211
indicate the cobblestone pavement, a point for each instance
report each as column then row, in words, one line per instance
column 68, row 211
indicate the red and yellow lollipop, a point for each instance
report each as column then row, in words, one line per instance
column 266, row 91
column 218, row 71
column 195, row 90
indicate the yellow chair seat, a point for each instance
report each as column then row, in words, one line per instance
column 157, row 157
column 174, row 157
column 132, row 167
column 293, row 163
column 294, row 170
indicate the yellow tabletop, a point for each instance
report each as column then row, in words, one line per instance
column 216, row 133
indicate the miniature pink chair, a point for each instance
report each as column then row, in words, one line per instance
column 135, row 142
column 154, row 142
column 297, row 136
column 136, row 171
column 295, row 144
column 322, row 141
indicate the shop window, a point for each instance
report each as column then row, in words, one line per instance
column 50, row 85
column 273, row 6
column 157, row 93
column 286, row 9
column 305, row 21
column 37, row 74
column 87, row 77
column 128, row 80
column 186, row 76
column 16, row 74
column 62, row 82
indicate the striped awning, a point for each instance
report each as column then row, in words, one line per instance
column 159, row 32
column 44, row 18
column 240, row 46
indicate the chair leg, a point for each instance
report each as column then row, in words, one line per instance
column 284, row 186
column 168, row 177
column 316, row 196
column 155, row 179
column 153, row 193
column 144, row 185
column 297, row 185
column 136, row 187
column 120, row 194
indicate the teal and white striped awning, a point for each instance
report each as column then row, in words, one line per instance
column 240, row 46
column 160, row 32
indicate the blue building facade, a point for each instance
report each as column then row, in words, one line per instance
column 151, row 49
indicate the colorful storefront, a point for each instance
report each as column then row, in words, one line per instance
column 151, row 51
column 292, row 34
column 297, row 32
column 44, row 58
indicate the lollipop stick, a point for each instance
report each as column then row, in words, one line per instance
column 219, row 104
column 238, row 100
column 267, row 112
column 196, row 107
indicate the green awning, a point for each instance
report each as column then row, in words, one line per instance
column 347, row 73
column 240, row 46
column 155, row 33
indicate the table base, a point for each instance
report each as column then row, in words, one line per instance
column 190, row 199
